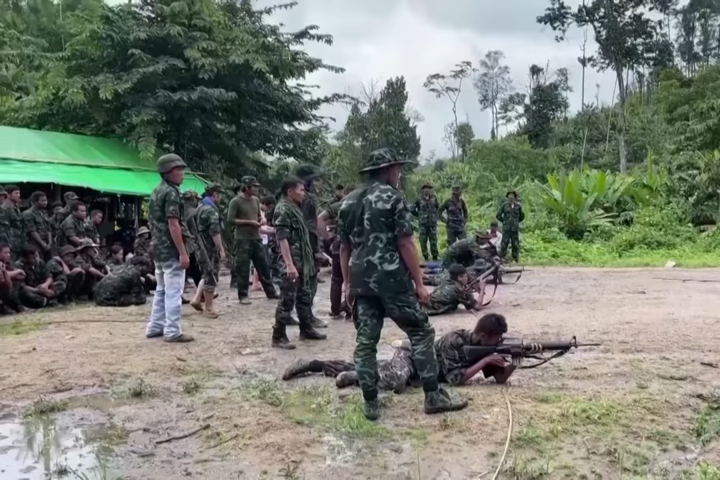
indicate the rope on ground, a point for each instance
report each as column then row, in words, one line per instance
column 509, row 433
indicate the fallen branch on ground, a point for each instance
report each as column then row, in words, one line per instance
column 699, row 280
column 180, row 437
column 710, row 364
column 230, row 439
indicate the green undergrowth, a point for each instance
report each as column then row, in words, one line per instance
column 9, row 328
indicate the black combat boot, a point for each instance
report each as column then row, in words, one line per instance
column 311, row 334
column 281, row 340
column 441, row 401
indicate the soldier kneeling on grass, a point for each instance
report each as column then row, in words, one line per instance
column 124, row 286
column 399, row 372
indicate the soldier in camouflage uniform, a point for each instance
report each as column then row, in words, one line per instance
column 124, row 286
column 11, row 280
column 272, row 253
column 141, row 246
column 399, row 372
column 39, row 290
column 92, row 226
column 327, row 228
column 379, row 265
column 64, row 265
column 466, row 251
column 454, row 367
column 210, row 251
column 452, row 293
column 511, row 215
column 37, row 225
column 296, row 263
column 190, row 200
column 169, row 234
column 426, row 209
column 59, row 216
column 456, row 216
column 11, row 223
column 72, row 229
column 311, row 175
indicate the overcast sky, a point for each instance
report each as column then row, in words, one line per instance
column 380, row 39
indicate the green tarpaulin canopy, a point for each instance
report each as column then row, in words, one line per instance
column 102, row 164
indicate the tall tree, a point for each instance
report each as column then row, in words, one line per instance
column 493, row 84
column 464, row 137
column 625, row 35
column 213, row 81
column 546, row 104
column 450, row 86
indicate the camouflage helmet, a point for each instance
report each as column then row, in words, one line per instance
column 169, row 161
column 143, row 230
column 307, row 172
column 381, row 158
column 456, row 188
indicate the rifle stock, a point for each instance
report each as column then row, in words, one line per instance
column 522, row 349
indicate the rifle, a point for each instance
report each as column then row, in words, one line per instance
column 503, row 270
column 478, row 284
column 520, row 349
column 204, row 257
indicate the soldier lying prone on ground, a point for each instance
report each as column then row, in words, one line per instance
column 399, row 372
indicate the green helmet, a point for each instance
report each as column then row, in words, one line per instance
column 381, row 158
column 308, row 172
column 169, row 161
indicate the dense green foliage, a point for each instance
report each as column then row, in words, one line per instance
column 636, row 181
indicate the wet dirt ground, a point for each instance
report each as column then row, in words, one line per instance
column 84, row 395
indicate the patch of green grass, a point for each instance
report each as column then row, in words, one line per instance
column 45, row 407
column 528, row 468
column 263, row 390
column 549, row 397
column 139, row 388
column 19, row 327
column 707, row 424
column 705, row 471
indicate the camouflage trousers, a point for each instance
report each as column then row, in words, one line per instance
column 428, row 234
column 75, row 284
column 297, row 295
column 369, row 313
column 513, row 239
column 394, row 374
column 337, row 305
column 9, row 295
column 37, row 300
column 251, row 252
column 210, row 272
column 454, row 234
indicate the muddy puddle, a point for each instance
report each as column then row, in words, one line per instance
column 75, row 443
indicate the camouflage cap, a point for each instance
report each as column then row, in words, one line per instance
column 86, row 243
column 307, row 172
column 69, row 196
column 381, row 158
column 211, row 188
column 426, row 185
column 456, row 188
column 170, row 161
column 142, row 230
column 67, row 249
column 189, row 194
column 249, row 181
column 511, row 192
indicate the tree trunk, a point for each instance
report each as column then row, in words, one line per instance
column 621, row 123
column 582, row 94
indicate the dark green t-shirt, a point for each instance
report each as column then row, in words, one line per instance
column 244, row 208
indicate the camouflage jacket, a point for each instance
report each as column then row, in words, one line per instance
column 165, row 204
column 59, row 217
column 309, row 209
column 447, row 297
column 114, row 265
column 126, row 280
column 11, row 226
column 36, row 221
column 71, row 227
column 334, row 210
column 91, row 231
column 207, row 219
column 463, row 252
column 290, row 225
column 141, row 247
column 456, row 214
column 451, row 359
column 371, row 220
column 510, row 216
column 87, row 261
column 34, row 274
column 426, row 209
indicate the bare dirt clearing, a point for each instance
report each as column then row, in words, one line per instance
column 83, row 393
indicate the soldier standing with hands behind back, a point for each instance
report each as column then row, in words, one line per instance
column 457, row 216
column 511, row 215
column 379, row 263
column 169, row 252
column 426, row 209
